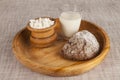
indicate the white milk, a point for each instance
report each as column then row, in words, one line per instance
column 70, row 22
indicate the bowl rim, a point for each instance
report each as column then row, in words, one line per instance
column 44, row 29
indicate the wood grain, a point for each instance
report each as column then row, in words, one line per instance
column 43, row 37
column 48, row 61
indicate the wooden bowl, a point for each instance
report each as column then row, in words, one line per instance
column 43, row 37
column 48, row 61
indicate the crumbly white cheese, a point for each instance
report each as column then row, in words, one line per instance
column 41, row 23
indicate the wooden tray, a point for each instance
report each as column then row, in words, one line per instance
column 48, row 61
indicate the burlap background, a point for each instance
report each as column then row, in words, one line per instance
column 14, row 14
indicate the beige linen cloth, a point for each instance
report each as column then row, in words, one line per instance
column 14, row 15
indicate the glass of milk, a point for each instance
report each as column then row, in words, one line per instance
column 70, row 21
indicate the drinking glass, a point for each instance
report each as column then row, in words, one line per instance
column 70, row 20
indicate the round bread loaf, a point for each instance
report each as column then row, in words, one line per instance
column 81, row 46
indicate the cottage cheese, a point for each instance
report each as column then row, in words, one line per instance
column 41, row 23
